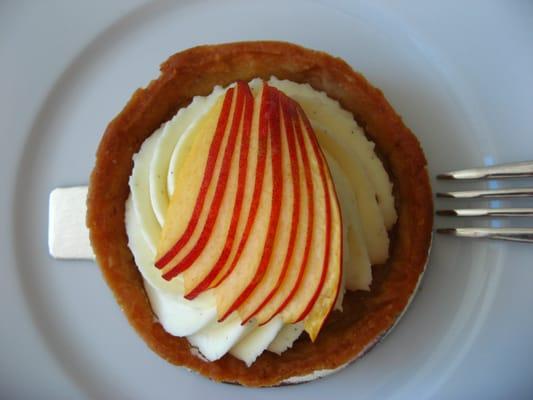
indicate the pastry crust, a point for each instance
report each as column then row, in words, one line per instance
column 367, row 316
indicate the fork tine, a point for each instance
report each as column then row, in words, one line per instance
column 511, row 170
column 512, row 234
column 488, row 194
column 487, row 212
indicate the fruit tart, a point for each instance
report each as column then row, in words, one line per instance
column 261, row 213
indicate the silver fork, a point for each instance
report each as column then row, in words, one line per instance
column 503, row 171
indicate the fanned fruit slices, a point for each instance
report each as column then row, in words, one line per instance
column 256, row 216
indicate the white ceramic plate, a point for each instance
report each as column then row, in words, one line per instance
column 460, row 75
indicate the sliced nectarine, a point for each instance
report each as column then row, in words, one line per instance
column 325, row 300
column 253, row 261
column 315, row 263
column 194, row 181
column 285, row 236
column 214, row 233
column 256, row 215
column 243, row 196
column 255, row 176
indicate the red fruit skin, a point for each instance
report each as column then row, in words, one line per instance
column 277, row 191
column 214, row 151
column 295, row 217
column 243, row 162
column 188, row 260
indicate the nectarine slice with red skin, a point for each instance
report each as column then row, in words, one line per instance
column 303, row 296
column 277, row 273
column 319, row 157
column 221, row 185
column 189, row 174
column 332, row 284
column 294, row 277
column 258, row 187
column 232, row 231
column 249, row 252
column 277, row 189
column 325, row 297
column 329, row 293
column 214, row 151
column 318, row 287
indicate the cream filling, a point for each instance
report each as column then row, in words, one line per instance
column 365, row 194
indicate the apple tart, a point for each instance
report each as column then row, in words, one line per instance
column 261, row 213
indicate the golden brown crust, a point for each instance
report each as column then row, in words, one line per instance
column 366, row 316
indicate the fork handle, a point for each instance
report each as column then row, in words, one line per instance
column 512, row 234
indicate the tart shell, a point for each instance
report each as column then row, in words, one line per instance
column 367, row 316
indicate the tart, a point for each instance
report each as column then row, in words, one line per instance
column 366, row 316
